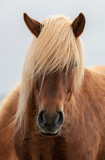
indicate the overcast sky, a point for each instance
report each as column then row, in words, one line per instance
column 15, row 38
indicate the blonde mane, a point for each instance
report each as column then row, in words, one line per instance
column 55, row 48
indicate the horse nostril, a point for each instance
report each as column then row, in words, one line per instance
column 40, row 118
column 60, row 119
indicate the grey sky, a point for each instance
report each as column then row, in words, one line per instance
column 15, row 38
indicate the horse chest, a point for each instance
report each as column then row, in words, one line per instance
column 56, row 148
column 37, row 149
column 50, row 148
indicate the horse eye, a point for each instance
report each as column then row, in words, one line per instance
column 74, row 65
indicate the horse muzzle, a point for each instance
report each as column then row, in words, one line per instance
column 50, row 124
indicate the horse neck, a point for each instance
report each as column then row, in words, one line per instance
column 90, row 97
column 93, row 82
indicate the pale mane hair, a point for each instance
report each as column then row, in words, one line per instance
column 55, row 48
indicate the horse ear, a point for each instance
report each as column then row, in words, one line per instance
column 33, row 25
column 78, row 25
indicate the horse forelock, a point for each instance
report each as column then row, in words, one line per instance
column 55, row 48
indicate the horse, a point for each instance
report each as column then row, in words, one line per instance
column 59, row 114
column 61, row 110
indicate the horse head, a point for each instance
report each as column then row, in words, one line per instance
column 54, row 65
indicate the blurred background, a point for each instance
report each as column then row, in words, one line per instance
column 15, row 38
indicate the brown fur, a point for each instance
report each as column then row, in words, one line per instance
column 82, row 134
column 7, row 112
column 8, row 152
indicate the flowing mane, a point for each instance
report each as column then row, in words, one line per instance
column 55, row 48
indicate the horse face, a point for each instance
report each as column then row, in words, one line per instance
column 52, row 98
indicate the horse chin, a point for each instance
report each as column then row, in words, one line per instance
column 49, row 133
